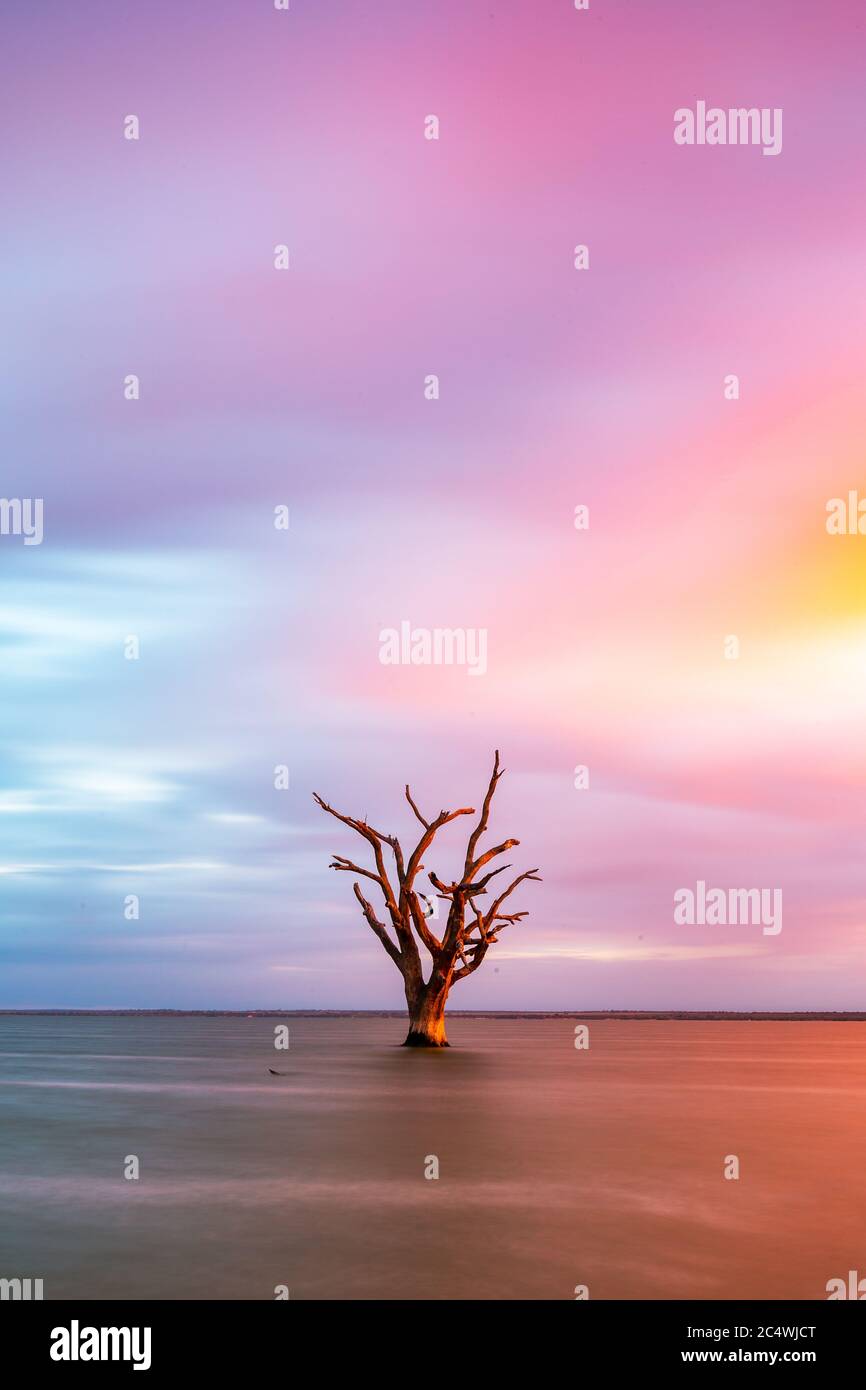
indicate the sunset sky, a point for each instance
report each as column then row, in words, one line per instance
column 559, row 387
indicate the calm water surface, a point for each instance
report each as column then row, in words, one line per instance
column 557, row 1167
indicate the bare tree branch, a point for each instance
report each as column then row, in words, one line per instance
column 481, row 885
column 521, row 878
column 443, row 818
column 346, row 866
column 374, row 839
column 419, row 921
column 378, row 927
column 394, row 844
column 490, row 924
column 445, row 890
column 425, row 823
column 491, row 854
column 485, row 814
column 472, row 966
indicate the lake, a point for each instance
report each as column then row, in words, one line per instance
column 602, row 1167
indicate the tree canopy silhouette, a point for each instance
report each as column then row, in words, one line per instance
column 469, row 931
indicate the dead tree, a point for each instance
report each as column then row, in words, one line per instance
column 464, row 943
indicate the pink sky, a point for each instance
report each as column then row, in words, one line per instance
column 557, row 388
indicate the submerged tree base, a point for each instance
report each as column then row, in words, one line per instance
column 414, row 1039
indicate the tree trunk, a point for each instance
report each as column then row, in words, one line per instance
column 427, row 1019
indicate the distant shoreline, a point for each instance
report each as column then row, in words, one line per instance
column 625, row 1015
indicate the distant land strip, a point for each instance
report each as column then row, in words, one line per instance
column 639, row 1015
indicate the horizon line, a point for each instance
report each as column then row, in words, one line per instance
column 769, row 1015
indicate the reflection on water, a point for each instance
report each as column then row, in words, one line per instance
column 557, row 1167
